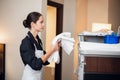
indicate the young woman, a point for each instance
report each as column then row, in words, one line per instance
column 31, row 50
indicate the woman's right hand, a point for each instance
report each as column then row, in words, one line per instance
column 52, row 50
column 56, row 46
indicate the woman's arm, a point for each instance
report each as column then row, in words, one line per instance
column 51, row 51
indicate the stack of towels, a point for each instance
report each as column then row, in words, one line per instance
column 67, row 43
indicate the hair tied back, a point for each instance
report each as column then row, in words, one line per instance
column 25, row 23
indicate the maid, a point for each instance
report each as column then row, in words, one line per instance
column 31, row 50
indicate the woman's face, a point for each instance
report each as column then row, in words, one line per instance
column 39, row 25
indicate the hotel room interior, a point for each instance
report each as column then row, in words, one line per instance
column 74, row 16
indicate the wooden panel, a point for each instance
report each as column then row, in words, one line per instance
column 91, row 64
column 102, row 65
column 116, row 65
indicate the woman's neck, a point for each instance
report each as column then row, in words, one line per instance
column 34, row 33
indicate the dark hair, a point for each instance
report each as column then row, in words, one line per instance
column 32, row 17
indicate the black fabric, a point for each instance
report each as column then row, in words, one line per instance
column 27, row 52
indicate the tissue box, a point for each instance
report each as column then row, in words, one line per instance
column 111, row 39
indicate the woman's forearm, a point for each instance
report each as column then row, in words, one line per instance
column 46, row 56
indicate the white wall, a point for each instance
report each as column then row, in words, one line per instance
column 68, row 26
column 12, row 13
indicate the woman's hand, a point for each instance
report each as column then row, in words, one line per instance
column 52, row 50
column 56, row 46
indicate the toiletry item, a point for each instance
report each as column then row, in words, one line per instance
column 118, row 31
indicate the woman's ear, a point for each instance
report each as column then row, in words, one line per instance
column 32, row 24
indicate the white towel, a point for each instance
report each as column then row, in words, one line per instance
column 67, row 43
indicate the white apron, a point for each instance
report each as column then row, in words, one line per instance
column 29, row 73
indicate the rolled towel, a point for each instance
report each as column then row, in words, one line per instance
column 67, row 43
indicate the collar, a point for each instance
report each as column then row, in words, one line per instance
column 38, row 44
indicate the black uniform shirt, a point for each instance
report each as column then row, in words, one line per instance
column 27, row 52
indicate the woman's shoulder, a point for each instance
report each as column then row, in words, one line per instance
column 26, row 41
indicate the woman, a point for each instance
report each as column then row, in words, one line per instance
column 31, row 50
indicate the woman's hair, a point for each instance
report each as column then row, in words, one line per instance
column 32, row 17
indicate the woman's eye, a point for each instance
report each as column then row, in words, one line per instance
column 41, row 22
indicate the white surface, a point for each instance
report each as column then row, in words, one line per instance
column 96, row 33
column 100, row 26
column 99, row 49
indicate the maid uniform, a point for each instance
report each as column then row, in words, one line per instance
column 31, row 52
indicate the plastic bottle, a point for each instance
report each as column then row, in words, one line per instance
column 118, row 31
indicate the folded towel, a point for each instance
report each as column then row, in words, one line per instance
column 67, row 44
